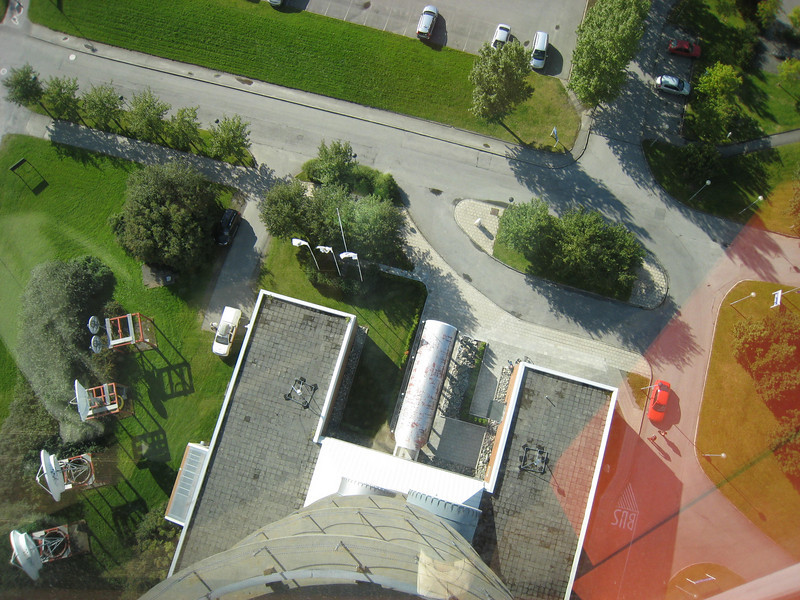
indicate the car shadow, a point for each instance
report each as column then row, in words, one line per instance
column 554, row 66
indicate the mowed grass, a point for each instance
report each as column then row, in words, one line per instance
column 8, row 380
column 390, row 307
column 177, row 390
column 738, row 183
column 735, row 420
column 313, row 53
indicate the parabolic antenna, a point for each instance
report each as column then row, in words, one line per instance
column 96, row 344
column 93, row 325
column 82, row 400
column 53, row 478
column 25, row 554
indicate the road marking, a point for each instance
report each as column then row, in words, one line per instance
column 388, row 17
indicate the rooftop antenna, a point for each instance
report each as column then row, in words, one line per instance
column 65, row 474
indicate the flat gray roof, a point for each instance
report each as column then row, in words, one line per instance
column 530, row 530
column 263, row 451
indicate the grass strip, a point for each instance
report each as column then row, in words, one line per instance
column 310, row 52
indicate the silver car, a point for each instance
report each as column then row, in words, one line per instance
column 673, row 85
column 426, row 22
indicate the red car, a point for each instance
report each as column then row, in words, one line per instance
column 684, row 48
column 659, row 397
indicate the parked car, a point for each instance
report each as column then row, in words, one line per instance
column 539, row 56
column 673, row 85
column 659, row 397
column 427, row 21
column 501, row 35
column 684, row 48
column 226, row 331
column 228, row 226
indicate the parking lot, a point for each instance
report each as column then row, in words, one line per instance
column 466, row 24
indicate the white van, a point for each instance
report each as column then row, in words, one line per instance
column 539, row 55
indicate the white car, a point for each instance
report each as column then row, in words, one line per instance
column 673, row 85
column 426, row 22
column 226, row 331
column 501, row 35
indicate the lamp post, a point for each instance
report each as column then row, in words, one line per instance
column 756, row 201
column 354, row 256
column 750, row 295
column 709, row 456
column 707, row 183
column 329, row 250
column 298, row 242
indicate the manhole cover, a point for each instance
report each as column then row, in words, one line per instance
column 367, row 4
column 466, row 277
column 494, row 212
column 436, row 192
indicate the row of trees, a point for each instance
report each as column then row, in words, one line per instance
column 371, row 224
column 580, row 249
column 607, row 40
column 145, row 118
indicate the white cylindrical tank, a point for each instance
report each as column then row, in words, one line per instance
column 424, row 387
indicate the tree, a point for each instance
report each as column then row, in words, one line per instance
column 146, row 116
column 607, row 40
column 168, row 217
column 789, row 70
column 103, row 106
column 23, row 86
column 530, row 229
column 767, row 12
column 56, row 304
column 230, row 137
column 785, row 440
column 794, row 17
column 61, row 95
column 596, row 255
column 794, row 201
column 183, row 129
column 375, row 227
column 500, row 77
column 282, row 209
column 334, row 164
column 770, row 351
column 720, row 83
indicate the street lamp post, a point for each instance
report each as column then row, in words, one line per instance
column 750, row 295
column 354, row 256
column 298, row 242
column 329, row 250
column 707, row 183
column 723, row 455
column 756, row 201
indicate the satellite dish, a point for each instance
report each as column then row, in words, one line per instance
column 97, row 344
column 51, row 470
column 93, row 325
column 25, row 554
column 82, row 400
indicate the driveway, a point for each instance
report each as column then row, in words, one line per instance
column 466, row 24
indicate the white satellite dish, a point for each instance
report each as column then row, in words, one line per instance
column 82, row 400
column 25, row 554
column 96, row 344
column 53, row 477
column 93, row 325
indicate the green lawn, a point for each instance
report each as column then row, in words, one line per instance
column 749, row 476
column 327, row 56
column 389, row 306
column 768, row 108
column 8, row 380
column 177, row 389
column 739, row 182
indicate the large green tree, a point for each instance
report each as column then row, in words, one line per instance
column 61, row 95
column 333, row 165
column 183, row 129
column 230, row 137
column 530, row 229
column 146, row 116
column 608, row 39
column 23, row 86
column 500, row 77
column 168, row 217
column 102, row 105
